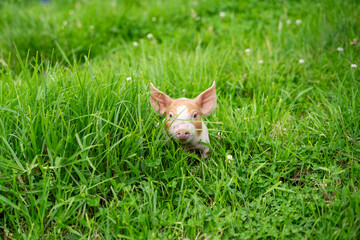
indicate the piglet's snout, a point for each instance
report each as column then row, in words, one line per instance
column 183, row 131
column 182, row 134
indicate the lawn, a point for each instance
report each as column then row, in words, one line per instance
column 82, row 155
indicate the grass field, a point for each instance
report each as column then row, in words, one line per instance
column 81, row 155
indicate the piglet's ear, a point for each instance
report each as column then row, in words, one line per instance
column 158, row 100
column 207, row 100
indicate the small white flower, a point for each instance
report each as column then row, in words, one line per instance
column 65, row 23
column 91, row 27
column 247, row 51
column 220, row 135
column 288, row 22
column 222, row 14
column 79, row 25
column 153, row 19
column 197, row 18
column 229, row 158
column 149, row 36
column 3, row 62
column 135, row 44
column 128, row 79
column 301, row 61
column 71, row 12
column 298, row 21
column 353, row 66
column 184, row 91
column 340, row 49
column 260, row 62
column 193, row 13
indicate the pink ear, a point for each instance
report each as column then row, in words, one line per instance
column 207, row 100
column 158, row 99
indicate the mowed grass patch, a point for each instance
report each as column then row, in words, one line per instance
column 82, row 156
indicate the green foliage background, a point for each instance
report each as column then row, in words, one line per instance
column 81, row 155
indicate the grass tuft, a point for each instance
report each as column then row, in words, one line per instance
column 81, row 155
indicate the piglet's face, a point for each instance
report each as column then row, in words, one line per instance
column 183, row 115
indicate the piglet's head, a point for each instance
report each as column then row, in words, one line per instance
column 183, row 115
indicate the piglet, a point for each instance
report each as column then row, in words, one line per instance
column 183, row 117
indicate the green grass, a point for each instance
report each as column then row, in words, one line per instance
column 81, row 155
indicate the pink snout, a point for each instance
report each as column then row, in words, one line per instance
column 182, row 134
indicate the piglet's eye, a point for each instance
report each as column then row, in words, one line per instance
column 195, row 115
column 171, row 115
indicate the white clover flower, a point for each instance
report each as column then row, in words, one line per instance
column 65, row 23
column 288, row 22
column 298, row 21
column 128, row 79
column 353, row 66
column 193, row 13
column 220, row 135
column 91, row 27
column 149, row 36
column 340, row 49
column 197, row 18
column 301, row 61
column 3, row 62
column 71, row 12
column 222, row 14
column 153, row 19
column 260, row 61
column 229, row 158
column 135, row 44
column 247, row 51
